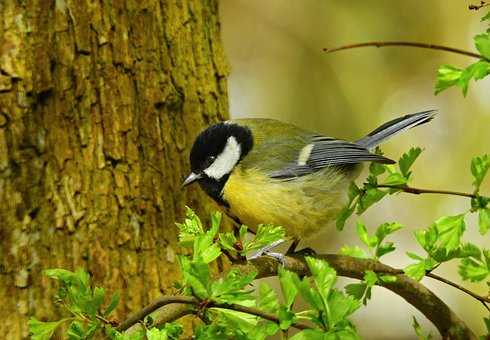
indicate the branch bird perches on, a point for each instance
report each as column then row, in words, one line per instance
column 449, row 325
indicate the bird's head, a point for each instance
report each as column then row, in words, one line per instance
column 215, row 153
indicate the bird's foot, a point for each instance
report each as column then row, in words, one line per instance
column 267, row 251
column 303, row 252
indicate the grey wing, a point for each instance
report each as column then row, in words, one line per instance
column 324, row 152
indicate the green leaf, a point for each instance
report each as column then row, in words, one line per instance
column 395, row 179
column 112, row 304
column 342, row 217
column 376, row 169
column 323, row 275
column 419, row 332
column 482, row 44
column 310, row 295
column 98, row 298
column 204, row 247
column 447, row 76
column 357, row 290
column 288, row 286
column 227, row 241
column 348, row 210
column 473, row 270
column 191, row 227
column 487, row 320
column 416, row 271
column 370, row 196
column 407, row 159
column 353, row 191
column 309, row 334
column 347, row 333
column 211, row 253
column 479, row 168
column 470, row 250
column 196, row 276
column 40, row 330
column 340, row 307
column 384, row 249
column 286, row 317
column 230, row 288
column 354, row 252
column 449, row 232
column 386, row 229
column 156, row 334
column 267, row 298
column 370, row 278
column 387, row 278
column 216, row 220
column 170, row 331
column 362, row 291
column 80, row 278
column 484, row 220
column 370, row 241
column 265, row 235
column 486, row 17
column 443, row 238
column 477, row 71
column 414, row 256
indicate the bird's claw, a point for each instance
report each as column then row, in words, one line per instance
column 266, row 251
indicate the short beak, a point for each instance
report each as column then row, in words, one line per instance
column 191, row 178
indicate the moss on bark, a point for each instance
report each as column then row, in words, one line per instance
column 99, row 104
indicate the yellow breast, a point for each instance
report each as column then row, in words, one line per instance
column 302, row 206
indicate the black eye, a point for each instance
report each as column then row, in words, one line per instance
column 209, row 161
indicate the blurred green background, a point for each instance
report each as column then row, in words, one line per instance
column 278, row 70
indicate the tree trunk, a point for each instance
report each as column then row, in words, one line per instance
column 99, row 104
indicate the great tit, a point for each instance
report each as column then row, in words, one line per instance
column 268, row 171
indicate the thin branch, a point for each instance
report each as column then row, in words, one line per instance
column 483, row 299
column 256, row 312
column 160, row 302
column 190, row 300
column 418, row 191
column 477, row 7
column 406, row 44
column 450, row 326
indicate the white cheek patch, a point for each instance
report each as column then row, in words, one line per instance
column 226, row 160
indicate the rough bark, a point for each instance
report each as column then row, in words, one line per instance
column 99, row 103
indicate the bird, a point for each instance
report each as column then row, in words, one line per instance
column 265, row 171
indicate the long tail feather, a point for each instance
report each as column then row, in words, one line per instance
column 395, row 126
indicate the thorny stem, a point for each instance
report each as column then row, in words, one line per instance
column 406, row 44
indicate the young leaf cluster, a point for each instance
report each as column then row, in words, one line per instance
column 449, row 76
column 329, row 311
column 360, row 199
column 85, row 306
column 377, row 248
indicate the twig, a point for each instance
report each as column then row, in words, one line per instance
column 256, row 312
column 406, row 44
column 190, row 300
column 418, row 191
column 483, row 299
column 477, row 7
column 160, row 302
column 449, row 325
